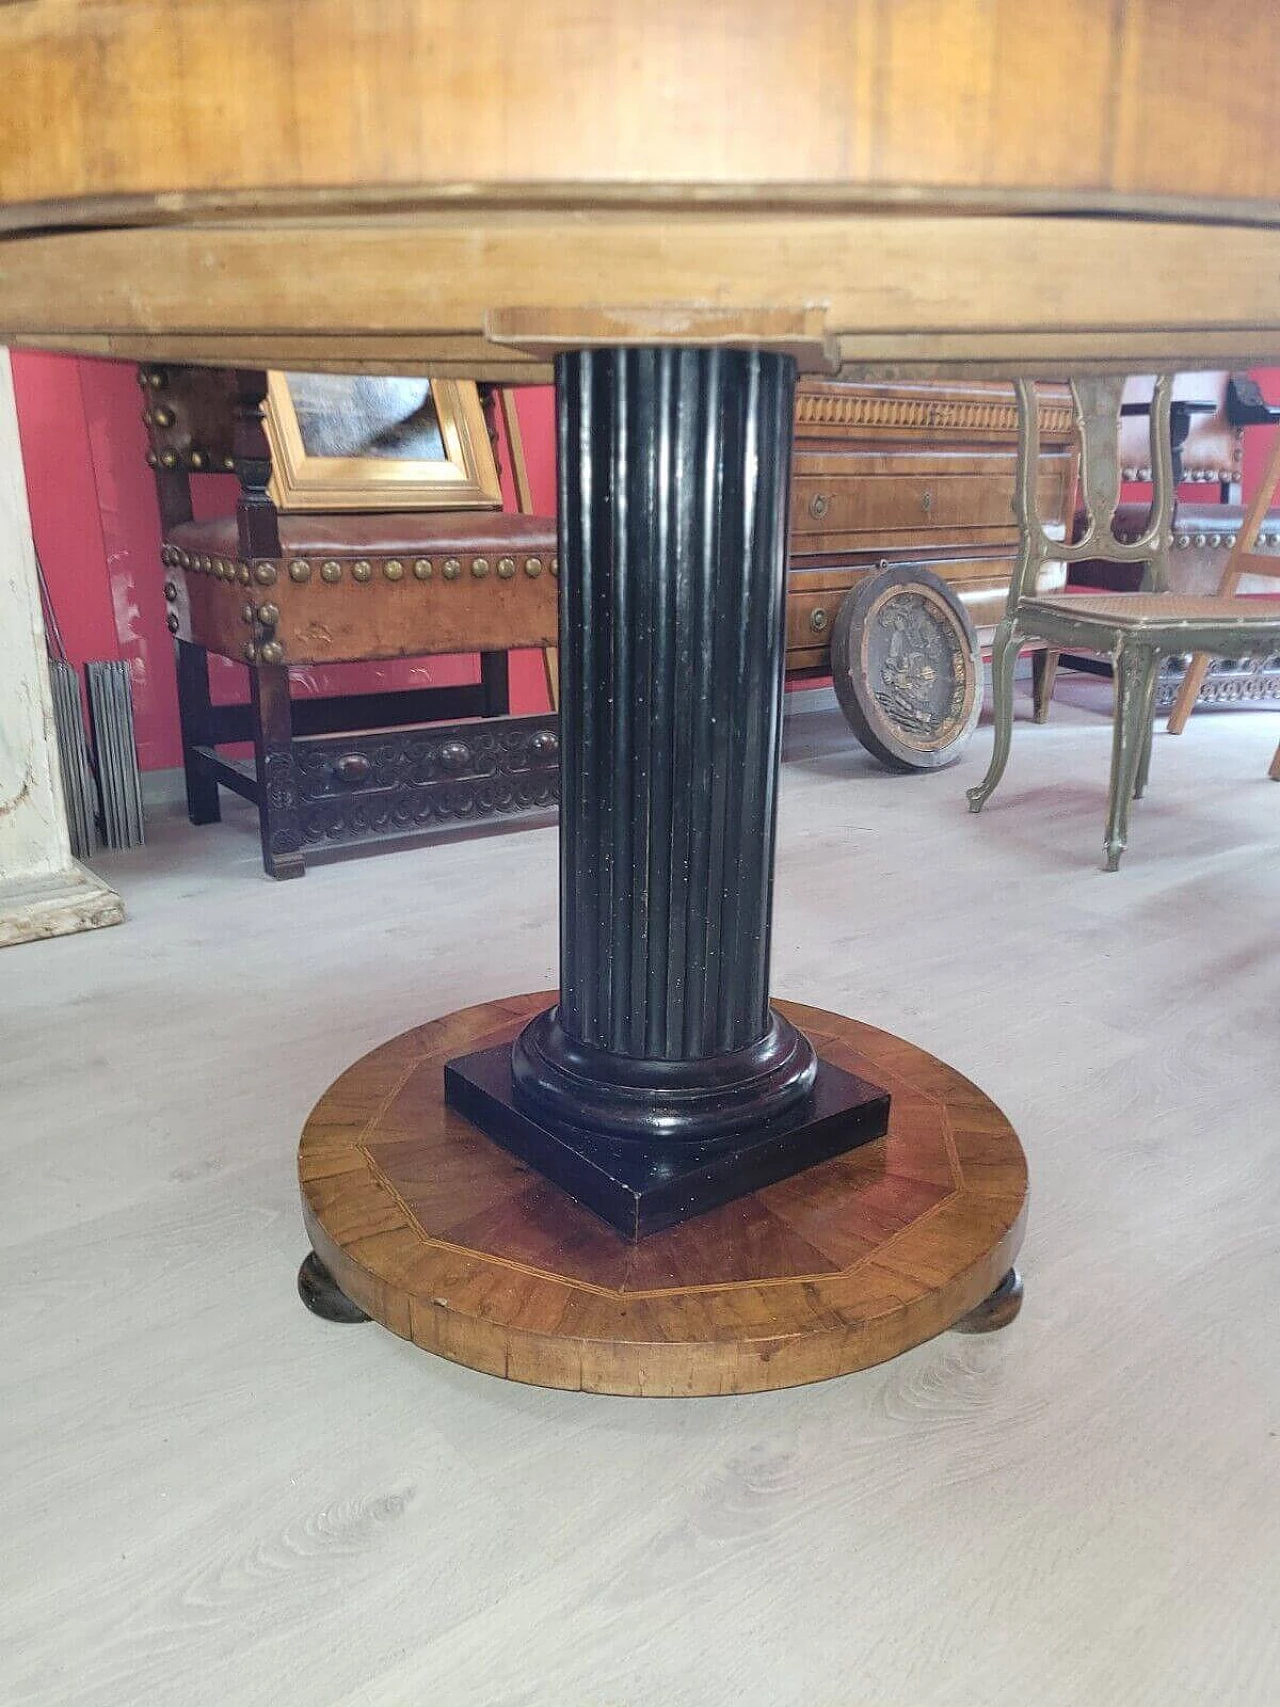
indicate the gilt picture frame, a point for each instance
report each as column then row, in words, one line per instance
column 365, row 442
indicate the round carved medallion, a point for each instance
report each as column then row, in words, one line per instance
column 907, row 670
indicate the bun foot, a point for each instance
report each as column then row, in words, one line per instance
column 996, row 1311
column 322, row 1295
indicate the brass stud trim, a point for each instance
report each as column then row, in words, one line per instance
column 506, row 568
column 171, row 622
column 555, row 565
column 272, row 652
column 196, row 459
column 268, row 615
column 479, row 567
column 300, row 570
column 229, row 464
column 422, row 568
column 170, row 591
column 240, row 572
column 168, row 459
column 153, row 461
column 393, row 569
column 264, row 574
column 452, row 569
column 246, row 613
column 249, row 652
column 162, row 416
column 362, row 570
column 331, row 571
column 533, row 566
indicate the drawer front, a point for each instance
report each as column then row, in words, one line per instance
column 833, row 512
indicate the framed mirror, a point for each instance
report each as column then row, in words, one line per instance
column 377, row 442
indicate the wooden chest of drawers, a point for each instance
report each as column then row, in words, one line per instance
column 890, row 475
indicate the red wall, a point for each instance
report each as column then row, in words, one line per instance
column 97, row 531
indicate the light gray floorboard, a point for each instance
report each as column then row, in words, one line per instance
column 212, row 1498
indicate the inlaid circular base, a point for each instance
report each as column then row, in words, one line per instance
column 447, row 1240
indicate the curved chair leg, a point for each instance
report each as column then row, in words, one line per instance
column 1148, row 737
column 1044, row 672
column 1004, row 654
column 1135, row 668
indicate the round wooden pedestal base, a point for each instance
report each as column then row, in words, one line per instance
column 436, row 1232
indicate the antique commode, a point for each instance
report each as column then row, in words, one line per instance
column 673, row 221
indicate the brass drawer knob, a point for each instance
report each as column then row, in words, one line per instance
column 818, row 620
column 819, row 505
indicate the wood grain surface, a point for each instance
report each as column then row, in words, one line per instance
column 873, row 185
column 1076, row 102
column 897, row 291
column 452, row 1243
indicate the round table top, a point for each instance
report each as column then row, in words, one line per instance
column 876, row 184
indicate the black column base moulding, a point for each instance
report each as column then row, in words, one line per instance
column 641, row 1185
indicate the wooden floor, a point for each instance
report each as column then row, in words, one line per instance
column 212, row 1499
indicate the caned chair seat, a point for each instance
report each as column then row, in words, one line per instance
column 1162, row 617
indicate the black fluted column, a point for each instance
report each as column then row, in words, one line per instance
column 674, row 477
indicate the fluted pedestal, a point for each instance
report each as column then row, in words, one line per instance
column 663, row 1083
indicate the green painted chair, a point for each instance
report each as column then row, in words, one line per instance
column 1137, row 629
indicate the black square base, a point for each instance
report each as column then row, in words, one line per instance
column 639, row 1188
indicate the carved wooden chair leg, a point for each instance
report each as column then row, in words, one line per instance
column 279, row 817
column 195, row 716
column 1135, row 671
column 495, row 680
column 1004, row 655
column 995, row 1311
column 1044, row 673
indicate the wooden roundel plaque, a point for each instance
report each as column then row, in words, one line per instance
column 907, row 669
column 443, row 1237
